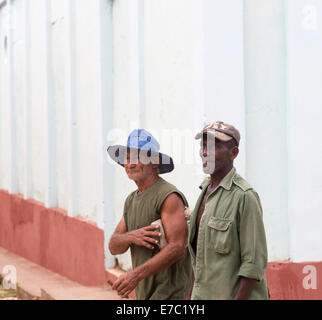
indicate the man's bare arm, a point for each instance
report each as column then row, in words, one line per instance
column 121, row 240
column 175, row 228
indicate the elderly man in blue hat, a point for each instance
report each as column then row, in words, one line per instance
column 159, row 272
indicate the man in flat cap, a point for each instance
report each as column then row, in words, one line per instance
column 160, row 271
column 227, row 239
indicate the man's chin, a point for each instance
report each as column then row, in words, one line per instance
column 208, row 169
column 131, row 176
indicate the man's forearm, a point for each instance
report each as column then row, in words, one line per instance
column 161, row 261
column 119, row 243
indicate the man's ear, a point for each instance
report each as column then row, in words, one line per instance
column 234, row 153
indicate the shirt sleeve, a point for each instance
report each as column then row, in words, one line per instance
column 252, row 238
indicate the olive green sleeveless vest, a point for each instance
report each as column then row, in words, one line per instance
column 140, row 210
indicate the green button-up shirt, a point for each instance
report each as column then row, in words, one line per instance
column 231, row 241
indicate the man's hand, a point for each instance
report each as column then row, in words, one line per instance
column 126, row 283
column 246, row 286
column 121, row 239
column 145, row 236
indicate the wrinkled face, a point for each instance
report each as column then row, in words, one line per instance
column 216, row 155
column 138, row 167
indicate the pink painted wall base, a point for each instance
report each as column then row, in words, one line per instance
column 71, row 247
column 74, row 248
column 294, row 281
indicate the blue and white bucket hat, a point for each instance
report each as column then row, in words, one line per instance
column 141, row 140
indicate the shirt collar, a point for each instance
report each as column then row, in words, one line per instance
column 226, row 182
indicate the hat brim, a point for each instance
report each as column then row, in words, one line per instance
column 219, row 135
column 118, row 154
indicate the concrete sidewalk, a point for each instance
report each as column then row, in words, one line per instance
column 37, row 283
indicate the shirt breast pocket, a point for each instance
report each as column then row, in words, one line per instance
column 219, row 231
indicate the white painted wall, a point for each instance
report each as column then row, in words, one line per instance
column 89, row 74
column 176, row 65
column 4, row 181
column 87, row 99
column 156, row 87
column 58, row 27
column 304, row 31
column 224, row 66
column 266, row 131
column 19, row 87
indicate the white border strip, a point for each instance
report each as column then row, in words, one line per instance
column 13, row 187
column 50, row 128
column 27, row 106
column 71, row 107
column 104, row 58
